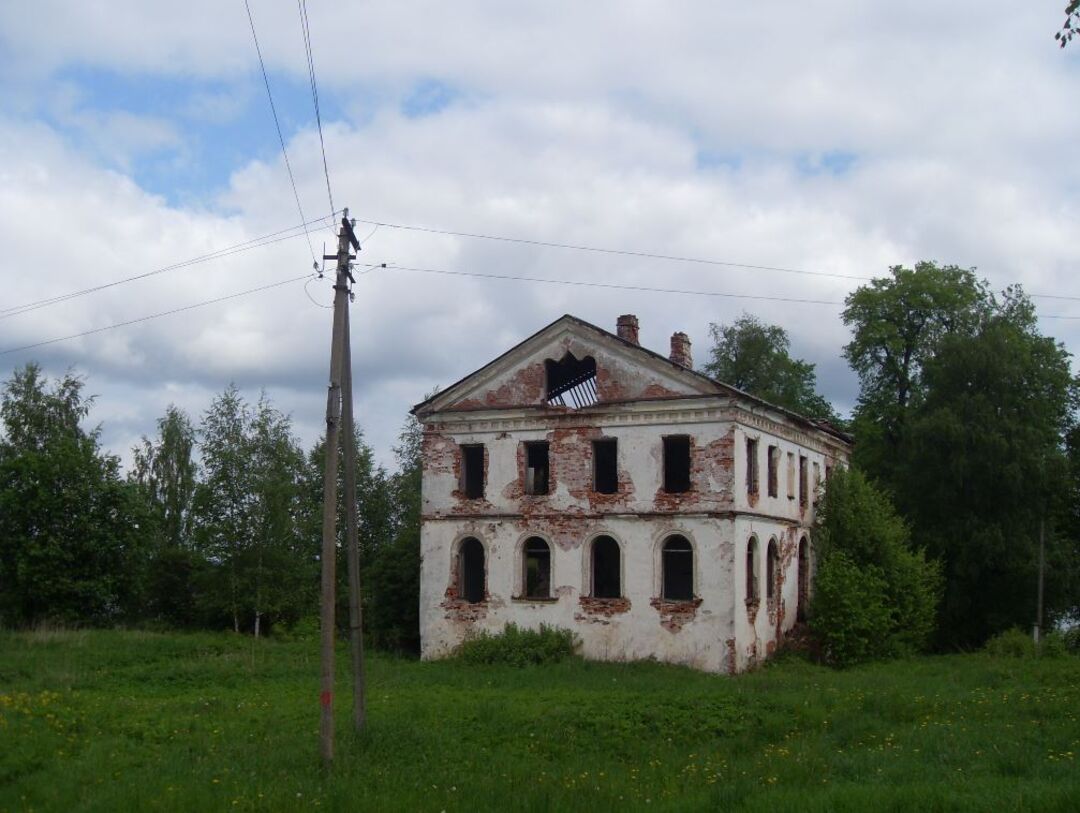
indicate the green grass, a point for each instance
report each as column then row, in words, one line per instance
column 116, row 721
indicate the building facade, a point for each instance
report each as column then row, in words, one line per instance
column 582, row 481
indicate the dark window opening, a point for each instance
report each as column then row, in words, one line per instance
column 803, row 490
column 472, row 471
column 571, row 383
column 677, row 562
column 751, row 466
column 676, row 464
column 804, row 580
column 605, row 466
column 751, row 570
column 606, row 568
column 774, row 471
column 536, row 468
column 771, row 562
column 537, row 568
column 471, row 579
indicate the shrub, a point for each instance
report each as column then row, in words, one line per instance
column 1013, row 643
column 875, row 595
column 1071, row 639
column 519, row 647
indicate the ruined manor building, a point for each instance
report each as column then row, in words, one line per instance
column 582, row 481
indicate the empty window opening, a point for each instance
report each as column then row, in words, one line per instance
column 751, row 466
column 677, row 564
column 817, row 480
column 676, row 464
column 472, row 471
column 804, row 579
column 774, row 471
column 751, row 570
column 537, row 568
column 471, row 586
column 791, row 475
column 536, row 468
column 606, row 568
column 772, row 562
column 605, row 465
column 803, row 490
column 571, row 383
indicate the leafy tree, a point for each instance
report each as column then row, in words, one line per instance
column 755, row 357
column 71, row 546
column 875, row 596
column 984, row 462
column 1071, row 24
column 897, row 325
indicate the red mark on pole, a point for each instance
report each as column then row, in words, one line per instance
column 325, row 698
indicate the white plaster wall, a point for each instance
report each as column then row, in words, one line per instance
column 638, row 633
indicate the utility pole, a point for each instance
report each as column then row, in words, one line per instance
column 329, row 531
column 1042, row 570
column 356, row 638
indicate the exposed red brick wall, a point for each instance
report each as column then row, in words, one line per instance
column 675, row 614
column 601, row 610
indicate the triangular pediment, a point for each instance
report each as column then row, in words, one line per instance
column 570, row 364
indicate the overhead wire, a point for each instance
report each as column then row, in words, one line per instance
column 147, row 318
column 305, row 27
column 247, row 245
column 277, row 125
column 645, row 254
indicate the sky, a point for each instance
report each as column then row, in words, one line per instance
column 838, row 138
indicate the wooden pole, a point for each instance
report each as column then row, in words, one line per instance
column 356, row 637
column 1042, row 570
column 329, row 530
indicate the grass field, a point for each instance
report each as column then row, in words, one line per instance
column 117, row 721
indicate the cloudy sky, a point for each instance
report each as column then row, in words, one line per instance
column 833, row 137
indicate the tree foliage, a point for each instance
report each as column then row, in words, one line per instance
column 71, row 529
column 875, row 595
column 1071, row 25
column 755, row 357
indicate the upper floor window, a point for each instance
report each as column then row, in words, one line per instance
column 804, row 491
column 472, row 470
column 676, row 463
column 571, row 383
column 752, row 466
column 536, row 467
column 774, row 471
column 791, row 475
column 605, row 465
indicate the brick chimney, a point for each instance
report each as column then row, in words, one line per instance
column 680, row 350
column 627, row 328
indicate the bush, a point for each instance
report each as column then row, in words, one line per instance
column 1015, row 643
column 875, row 595
column 519, row 647
column 1071, row 639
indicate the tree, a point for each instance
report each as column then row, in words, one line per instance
column 875, row 595
column 985, row 462
column 1071, row 24
column 755, row 357
column 71, row 530
column 897, row 324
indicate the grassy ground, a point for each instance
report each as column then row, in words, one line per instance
column 130, row 721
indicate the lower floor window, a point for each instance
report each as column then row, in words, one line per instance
column 537, row 568
column 677, row 564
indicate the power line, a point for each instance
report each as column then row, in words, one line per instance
column 247, row 245
column 650, row 255
column 616, row 251
column 305, row 26
column 277, row 124
column 624, row 287
column 154, row 315
column 614, row 285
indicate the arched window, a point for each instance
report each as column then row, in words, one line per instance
column 537, row 563
column 677, row 566
column 471, row 577
column 772, row 562
column 752, row 570
column 606, row 568
column 804, row 578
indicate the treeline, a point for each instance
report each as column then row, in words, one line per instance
column 217, row 525
column 967, row 452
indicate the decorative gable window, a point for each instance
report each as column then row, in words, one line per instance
column 571, row 383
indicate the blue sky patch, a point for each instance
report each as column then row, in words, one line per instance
column 831, row 162
column 428, row 97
